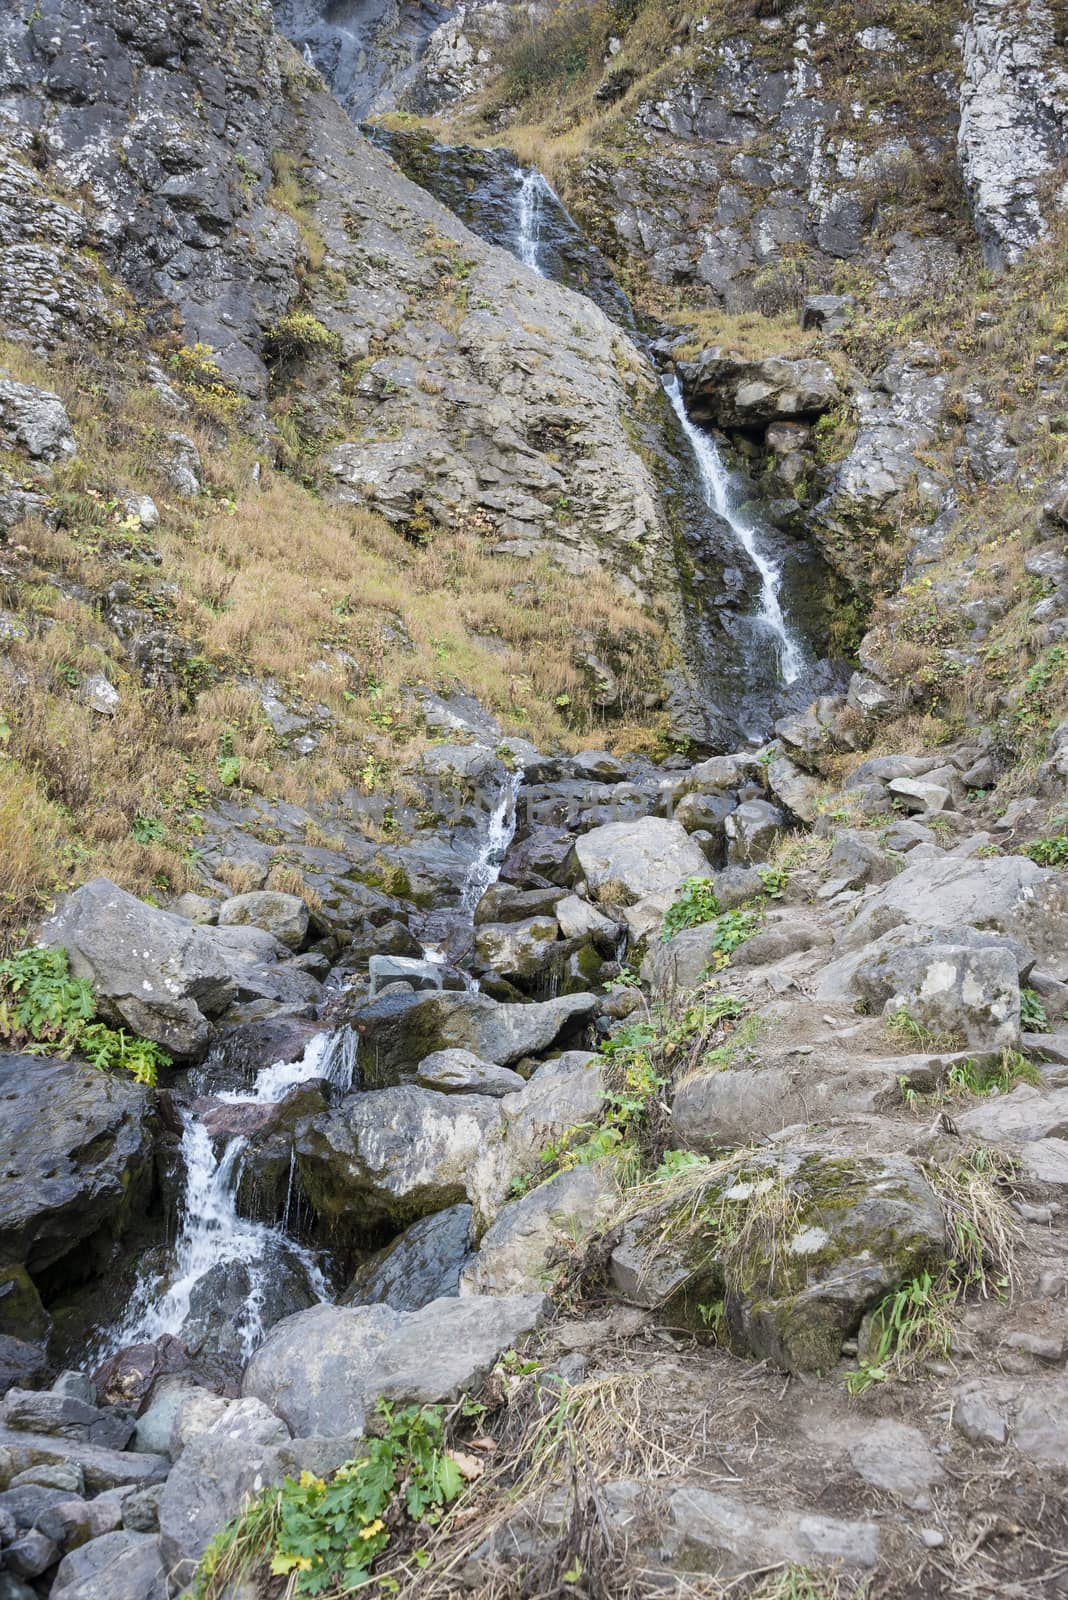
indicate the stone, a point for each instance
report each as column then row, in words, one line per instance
column 140, row 1510
column 182, row 464
column 753, row 830
column 399, row 1031
column 971, row 996
column 102, row 1468
column 99, row 694
column 626, row 862
column 324, row 1369
column 716, row 1109
column 827, row 312
column 797, row 791
column 76, row 1384
column 65, row 1417
column 732, row 392
column 197, row 1412
column 65, row 1475
column 516, row 949
column 599, row 766
column 76, row 1154
column 151, row 971
column 460, row 1072
column 514, row 1253
column 578, row 919
column 416, row 972
column 389, row 1156
column 283, row 915
column 541, row 860
column 30, row 1553
column 422, row 1265
column 155, row 1424
column 977, row 1417
column 729, row 1536
column 503, row 902
column 897, row 1458
column 565, row 1093
column 34, row 420
column 129, row 1377
column 916, row 794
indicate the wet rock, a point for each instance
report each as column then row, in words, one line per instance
column 228, row 1305
column 513, row 1256
column 21, row 1362
column 76, row 1153
column 152, row 971
column 460, row 1072
column 129, row 1377
column 397, row 1032
column 726, row 389
column 543, row 858
column 283, row 915
column 753, row 831
column 323, row 1370
column 424, row 1264
column 65, row 1417
column 388, row 1157
column 503, row 902
column 517, row 950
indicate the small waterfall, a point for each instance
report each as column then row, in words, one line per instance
column 212, row 1233
column 532, row 194
column 715, row 485
column 486, row 866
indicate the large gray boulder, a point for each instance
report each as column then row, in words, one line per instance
column 424, row 1264
column 733, row 392
column 34, row 420
column 514, row 1255
column 516, row 949
column 1002, row 894
column 729, row 1536
column 324, row 1369
column 153, row 972
column 283, row 915
column 117, row 1566
column 65, row 1417
column 753, row 831
column 639, row 865
column 461, row 1072
column 398, row 1031
column 563, row 1100
column 970, row 996
column 75, row 1153
column 101, row 1468
column 393, row 1155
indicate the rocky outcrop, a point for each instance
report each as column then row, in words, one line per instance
column 1013, row 121
column 731, row 392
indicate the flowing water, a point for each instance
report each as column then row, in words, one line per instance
column 486, row 866
column 715, row 486
column 211, row 1232
column 533, row 192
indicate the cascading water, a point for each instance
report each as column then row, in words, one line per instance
column 715, row 485
column 532, row 194
column 486, row 866
column 212, row 1233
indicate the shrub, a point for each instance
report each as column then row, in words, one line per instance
column 298, row 333
column 44, row 1010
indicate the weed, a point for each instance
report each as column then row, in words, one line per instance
column 974, row 1077
column 44, row 1010
column 909, row 1326
column 903, row 1028
column 1048, row 852
column 1033, row 1015
column 694, row 905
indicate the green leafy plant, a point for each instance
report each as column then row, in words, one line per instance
column 911, row 1324
column 975, row 1077
column 695, row 904
column 147, row 830
column 44, row 1010
column 1033, row 1017
column 1051, row 851
column 325, row 1536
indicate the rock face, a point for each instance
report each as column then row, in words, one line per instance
column 76, row 1154
column 152, row 971
column 422, row 1265
column 323, row 1370
column 400, row 1031
column 1013, row 121
column 725, row 389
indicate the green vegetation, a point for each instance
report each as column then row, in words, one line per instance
column 695, row 904
column 914, row 1324
column 1051, row 851
column 46, row 1011
column 326, row 1536
column 1033, row 1015
column 298, row 333
column 974, row 1077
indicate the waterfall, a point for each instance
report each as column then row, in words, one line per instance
column 486, row 866
column 212, row 1233
column 532, row 194
column 715, row 485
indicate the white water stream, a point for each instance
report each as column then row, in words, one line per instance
column 212, row 1233
column 715, row 485
column 534, row 190
column 486, row 866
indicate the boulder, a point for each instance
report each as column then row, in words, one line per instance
column 34, row 420
column 896, row 1458
column 970, row 996
column 118, row 1566
column 324, row 1369
column 798, row 791
column 283, row 915
column 152, row 971
column 753, row 830
column 516, row 949
column 460, row 1072
column 599, row 766
column 727, row 389
column 544, row 858
column 1002, row 894
column 563, row 1095
column 424, row 1264
column 397, row 1032
column 578, row 919
column 715, row 1110
column 102, row 1468
column 385, row 1158
column 503, row 902
column 627, row 862
column 514, row 1255
column 76, row 1155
